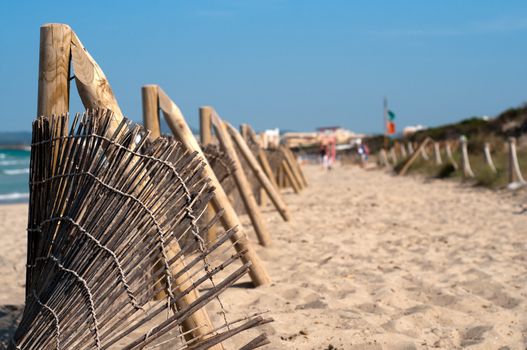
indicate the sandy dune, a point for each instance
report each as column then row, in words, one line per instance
column 371, row 261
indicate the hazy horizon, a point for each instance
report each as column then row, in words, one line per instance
column 290, row 64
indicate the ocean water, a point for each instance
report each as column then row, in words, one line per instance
column 14, row 175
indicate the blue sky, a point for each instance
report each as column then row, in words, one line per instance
column 283, row 63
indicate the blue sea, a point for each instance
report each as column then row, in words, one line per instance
column 14, row 175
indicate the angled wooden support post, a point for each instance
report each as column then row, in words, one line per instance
column 290, row 177
column 413, row 157
column 292, row 166
column 205, row 132
column 515, row 174
column 241, row 182
column 259, row 173
column 488, row 157
column 448, row 150
column 295, row 165
column 220, row 201
column 92, row 85
column 245, row 131
column 262, row 156
column 199, row 324
column 466, row 169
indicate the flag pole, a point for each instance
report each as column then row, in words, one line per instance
column 385, row 121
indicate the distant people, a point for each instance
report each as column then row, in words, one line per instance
column 324, row 159
column 366, row 151
column 363, row 153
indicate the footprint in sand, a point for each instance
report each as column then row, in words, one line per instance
column 474, row 335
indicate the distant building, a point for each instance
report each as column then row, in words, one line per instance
column 409, row 130
column 309, row 139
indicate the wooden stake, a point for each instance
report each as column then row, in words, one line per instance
column 465, row 162
column 241, row 182
column 178, row 125
column 488, row 157
column 413, row 157
column 259, row 173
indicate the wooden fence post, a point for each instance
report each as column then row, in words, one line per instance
column 437, row 153
column 280, row 176
column 424, row 154
column 449, row 155
column 53, row 75
column 54, row 70
column 199, row 324
column 515, row 174
column 393, row 155
column 402, row 149
column 413, row 157
column 488, row 157
column 410, row 147
column 259, row 173
column 220, row 201
column 242, row 183
column 465, row 161
column 383, row 158
column 205, row 133
column 151, row 110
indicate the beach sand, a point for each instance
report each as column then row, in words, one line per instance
column 369, row 261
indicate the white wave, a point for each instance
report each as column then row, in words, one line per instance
column 13, row 196
column 16, row 171
column 13, row 162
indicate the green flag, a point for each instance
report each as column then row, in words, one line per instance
column 391, row 115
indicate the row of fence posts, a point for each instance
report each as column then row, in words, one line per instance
column 409, row 156
column 59, row 45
